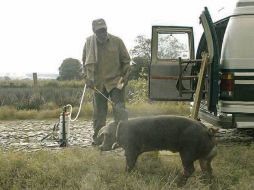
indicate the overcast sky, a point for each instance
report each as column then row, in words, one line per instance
column 37, row 35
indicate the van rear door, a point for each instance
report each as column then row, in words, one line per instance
column 169, row 43
column 214, row 55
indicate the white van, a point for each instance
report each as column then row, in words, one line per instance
column 228, row 97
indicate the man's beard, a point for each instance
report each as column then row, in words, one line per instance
column 102, row 39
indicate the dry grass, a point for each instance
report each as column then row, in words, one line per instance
column 88, row 169
column 138, row 109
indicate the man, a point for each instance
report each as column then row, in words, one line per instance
column 106, row 65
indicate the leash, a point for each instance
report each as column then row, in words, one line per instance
column 80, row 105
column 112, row 103
column 65, row 119
column 57, row 125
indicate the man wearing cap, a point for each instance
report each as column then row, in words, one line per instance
column 106, row 64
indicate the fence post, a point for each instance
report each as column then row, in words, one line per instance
column 35, row 79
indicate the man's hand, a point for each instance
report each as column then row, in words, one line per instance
column 90, row 84
column 120, row 84
column 126, row 76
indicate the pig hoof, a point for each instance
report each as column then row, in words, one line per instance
column 181, row 181
column 207, row 178
column 129, row 169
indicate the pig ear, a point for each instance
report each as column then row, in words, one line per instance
column 212, row 131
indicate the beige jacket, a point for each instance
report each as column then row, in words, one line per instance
column 109, row 62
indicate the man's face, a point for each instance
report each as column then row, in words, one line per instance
column 102, row 35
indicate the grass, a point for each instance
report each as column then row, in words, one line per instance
column 138, row 109
column 19, row 100
column 88, row 169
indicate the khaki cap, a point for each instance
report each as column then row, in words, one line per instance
column 99, row 24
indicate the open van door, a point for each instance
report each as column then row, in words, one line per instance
column 171, row 45
column 214, row 57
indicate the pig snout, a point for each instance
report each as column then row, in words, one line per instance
column 107, row 143
column 107, row 134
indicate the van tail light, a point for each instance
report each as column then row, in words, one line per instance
column 227, row 85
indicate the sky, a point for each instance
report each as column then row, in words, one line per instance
column 37, row 35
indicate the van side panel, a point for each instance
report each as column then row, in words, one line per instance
column 237, row 59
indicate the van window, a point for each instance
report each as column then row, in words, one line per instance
column 173, row 46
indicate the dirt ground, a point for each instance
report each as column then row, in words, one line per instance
column 28, row 134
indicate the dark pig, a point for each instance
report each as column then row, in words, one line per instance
column 189, row 137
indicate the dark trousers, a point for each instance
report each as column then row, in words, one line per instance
column 100, row 105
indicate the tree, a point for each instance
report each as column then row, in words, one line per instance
column 139, row 68
column 170, row 46
column 70, row 69
column 142, row 47
column 141, row 57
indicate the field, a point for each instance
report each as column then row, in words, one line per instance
column 75, row 168
column 21, row 100
column 87, row 169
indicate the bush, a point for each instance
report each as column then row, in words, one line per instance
column 137, row 91
column 35, row 101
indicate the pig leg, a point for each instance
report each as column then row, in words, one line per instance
column 206, row 168
column 131, row 158
column 205, row 163
column 188, row 165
